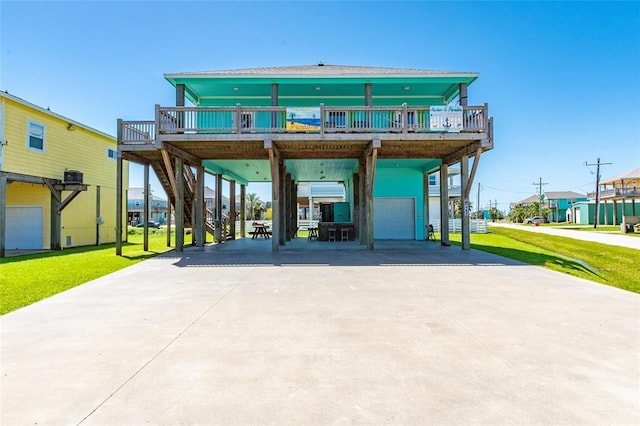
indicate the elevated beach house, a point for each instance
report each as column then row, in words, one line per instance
column 380, row 132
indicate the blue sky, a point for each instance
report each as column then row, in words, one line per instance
column 562, row 79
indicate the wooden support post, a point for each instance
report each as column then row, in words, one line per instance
column 198, row 208
column 274, row 102
column 274, row 162
column 444, row 205
column 56, row 220
column 295, row 208
column 464, row 171
column 606, row 220
column 287, row 203
column 615, row 213
column 356, row 206
column 168, row 223
column 371, row 161
column 179, row 176
column 362, row 172
column 283, row 203
column 243, row 211
column 463, row 94
column 119, row 202
column 232, row 208
column 425, row 204
column 4, row 184
column 147, row 199
column 218, row 205
column 98, row 217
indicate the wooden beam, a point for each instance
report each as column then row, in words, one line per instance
column 56, row 222
column 18, row 177
column 455, row 157
column 218, row 205
column 362, row 172
column 243, row 210
column 179, row 204
column 4, row 184
column 375, row 143
column 370, row 177
column 170, row 172
column 474, row 168
column 135, row 158
column 444, row 205
column 425, row 204
column 178, row 152
column 119, row 211
column 464, row 172
column 274, row 163
column 198, row 208
column 67, row 200
column 232, row 208
column 55, row 192
column 146, row 197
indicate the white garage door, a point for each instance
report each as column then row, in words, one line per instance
column 394, row 219
column 24, row 228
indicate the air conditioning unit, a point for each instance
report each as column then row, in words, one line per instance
column 72, row 176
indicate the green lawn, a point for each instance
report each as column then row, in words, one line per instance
column 611, row 265
column 27, row 279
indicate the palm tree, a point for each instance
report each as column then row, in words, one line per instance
column 254, row 205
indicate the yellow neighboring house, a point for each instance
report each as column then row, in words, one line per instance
column 57, row 180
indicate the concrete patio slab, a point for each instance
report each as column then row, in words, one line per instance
column 411, row 333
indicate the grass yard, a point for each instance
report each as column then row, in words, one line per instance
column 610, row 265
column 30, row 278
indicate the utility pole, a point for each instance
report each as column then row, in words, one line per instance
column 539, row 185
column 597, row 212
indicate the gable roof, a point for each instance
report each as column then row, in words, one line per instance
column 628, row 175
column 558, row 195
column 47, row 111
column 322, row 70
column 138, row 194
column 531, row 199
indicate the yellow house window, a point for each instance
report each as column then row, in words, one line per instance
column 35, row 138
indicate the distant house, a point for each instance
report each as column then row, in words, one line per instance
column 209, row 200
column 135, row 207
column 617, row 198
column 57, row 180
column 526, row 202
column 559, row 204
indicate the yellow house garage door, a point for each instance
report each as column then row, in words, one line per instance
column 394, row 219
column 24, row 227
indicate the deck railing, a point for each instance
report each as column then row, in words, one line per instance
column 616, row 192
column 266, row 120
column 137, row 132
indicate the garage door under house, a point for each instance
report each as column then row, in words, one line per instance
column 394, row 218
column 24, row 227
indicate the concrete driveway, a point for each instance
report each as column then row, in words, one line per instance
column 611, row 238
column 412, row 333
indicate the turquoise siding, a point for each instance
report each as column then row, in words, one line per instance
column 402, row 183
column 587, row 212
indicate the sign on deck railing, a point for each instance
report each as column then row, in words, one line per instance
column 445, row 118
column 303, row 118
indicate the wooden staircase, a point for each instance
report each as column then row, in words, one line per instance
column 189, row 191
